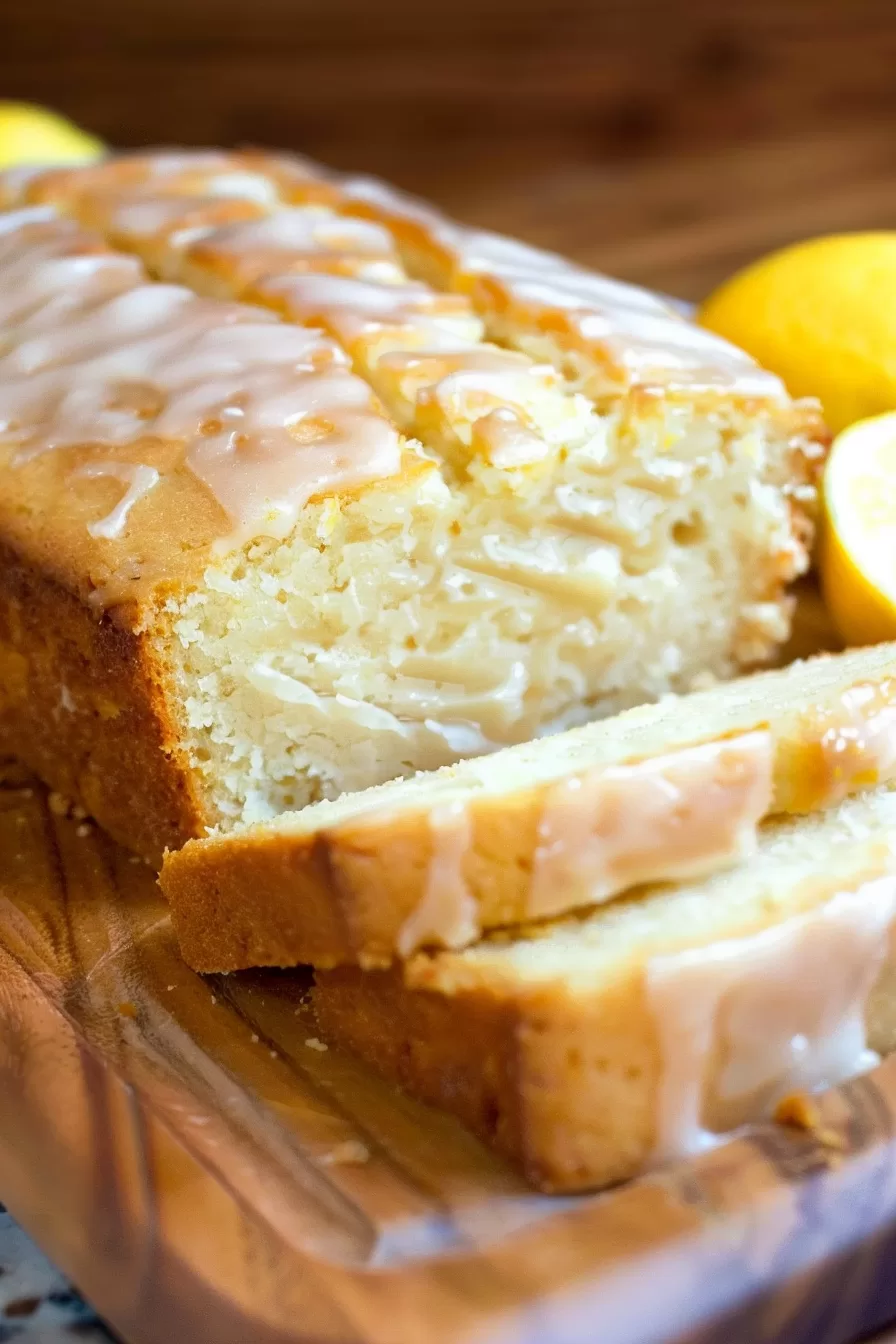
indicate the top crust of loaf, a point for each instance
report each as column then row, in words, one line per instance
column 340, row 881
column 170, row 533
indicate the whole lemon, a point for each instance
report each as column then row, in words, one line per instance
column 822, row 315
column 31, row 134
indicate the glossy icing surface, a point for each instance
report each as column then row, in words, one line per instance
column 670, row 817
column 782, row 1009
column 268, row 414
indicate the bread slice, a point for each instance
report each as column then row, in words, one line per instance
column 590, row 1048
column 245, row 565
column 658, row 793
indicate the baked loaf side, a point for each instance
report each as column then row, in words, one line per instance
column 662, row 792
column 600, row 1044
column 436, row 543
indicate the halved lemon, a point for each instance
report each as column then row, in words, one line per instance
column 858, row 545
column 30, row 134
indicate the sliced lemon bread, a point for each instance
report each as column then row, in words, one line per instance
column 597, row 1045
column 255, row 556
column 661, row 792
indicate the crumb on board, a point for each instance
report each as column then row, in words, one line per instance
column 350, row 1153
column 78, row 812
column 255, row 1038
column 83, row 831
column 314, row 1044
column 135, row 858
column 58, row 804
column 800, row 1111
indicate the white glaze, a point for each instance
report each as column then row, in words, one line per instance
column 139, row 480
column 861, row 748
column 749, row 1020
column 646, row 335
column 313, row 232
column 269, row 413
column 673, row 816
column 424, row 349
column 447, row 914
column 351, row 307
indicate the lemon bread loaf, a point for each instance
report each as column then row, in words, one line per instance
column 597, row 1045
column 657, row 793
column 255, row 556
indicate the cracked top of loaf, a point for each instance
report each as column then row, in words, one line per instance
column 194, row 345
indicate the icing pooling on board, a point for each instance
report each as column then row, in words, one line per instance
column 269, row 414
column 447, row 914
column 677, row 815
column 776, row 1011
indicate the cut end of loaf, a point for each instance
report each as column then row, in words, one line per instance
column 408, row 627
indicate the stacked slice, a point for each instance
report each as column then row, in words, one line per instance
column 635, row 1027
column 596, row 1045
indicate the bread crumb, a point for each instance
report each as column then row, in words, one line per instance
column 170, row 987
column 135, row 858
column 214, row 1000
column 800, row 1111
column 314, row 1044
column 701, row 681
column 273, row 1054
column 84, row 830
column 350, row 1153
column 79, row 813
column 57, row 804
column 254, row 1038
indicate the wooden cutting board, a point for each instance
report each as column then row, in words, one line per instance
column 190, row 1153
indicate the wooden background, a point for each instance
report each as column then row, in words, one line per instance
column 665, row 140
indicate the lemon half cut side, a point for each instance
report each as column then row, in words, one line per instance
column 858, row 548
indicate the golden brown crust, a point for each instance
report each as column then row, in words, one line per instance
column 564, row 1087
column 265, row 898
column 271, row 895
column 87, row 705
column 563, row 1077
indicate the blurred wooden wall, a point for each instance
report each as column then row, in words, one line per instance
column 508, row 112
